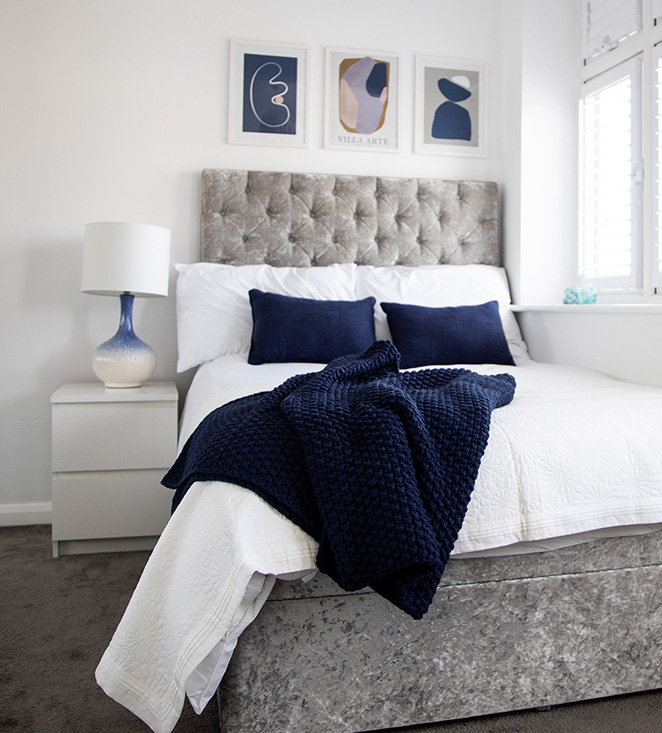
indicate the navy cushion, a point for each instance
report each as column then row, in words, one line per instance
column 301, row 329
column 465, row 334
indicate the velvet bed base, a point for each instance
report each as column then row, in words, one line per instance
column 503, row 633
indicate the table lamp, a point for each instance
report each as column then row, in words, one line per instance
column 126, row 260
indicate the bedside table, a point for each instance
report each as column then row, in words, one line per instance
column 110, row 450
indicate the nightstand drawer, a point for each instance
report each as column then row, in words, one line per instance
column 105, row 436
column 108, row 504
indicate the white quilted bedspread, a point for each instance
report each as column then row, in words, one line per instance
column 575, row 452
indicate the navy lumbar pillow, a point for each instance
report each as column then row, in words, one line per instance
column 465, row 334
column 301, row 329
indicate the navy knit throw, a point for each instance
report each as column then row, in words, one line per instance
column 376, row 465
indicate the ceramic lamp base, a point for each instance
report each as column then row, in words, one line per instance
column 123, row 368
column 124, row 361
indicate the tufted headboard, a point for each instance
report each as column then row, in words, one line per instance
column 298, row 219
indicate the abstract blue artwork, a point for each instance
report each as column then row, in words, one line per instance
column 450, row 107
column 361, row 95
column 269, row 94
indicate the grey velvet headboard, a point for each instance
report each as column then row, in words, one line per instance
column 298, row 219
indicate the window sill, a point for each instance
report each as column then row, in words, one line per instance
column 647, row 309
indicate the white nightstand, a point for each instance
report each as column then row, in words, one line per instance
column 110, row 450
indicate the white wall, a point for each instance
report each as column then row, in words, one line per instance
column 109, row 112
column 511, row 147
column 540, row 79
column 623, row 345
column 548, row 199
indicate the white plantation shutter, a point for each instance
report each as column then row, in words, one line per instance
column 608, row 22
column 657, row 10
column 657, row 145
column 611, row 173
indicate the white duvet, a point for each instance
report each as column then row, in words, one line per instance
column 575, row 455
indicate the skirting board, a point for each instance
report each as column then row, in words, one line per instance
column 15, row 515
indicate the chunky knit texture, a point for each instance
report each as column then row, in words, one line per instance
column 376, row 465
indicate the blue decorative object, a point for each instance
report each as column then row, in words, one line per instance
column 581, row 296
column 124, row 360
column 463, row 334
column 571, row 296
column 589, row 293
column 302, row 329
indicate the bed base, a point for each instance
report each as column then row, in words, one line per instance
column 502, row 634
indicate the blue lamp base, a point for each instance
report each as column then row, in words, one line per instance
column 124, row 361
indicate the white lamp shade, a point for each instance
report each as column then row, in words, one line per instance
column 119, row 257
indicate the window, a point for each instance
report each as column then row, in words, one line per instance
column 610, row 189
column 620, row 227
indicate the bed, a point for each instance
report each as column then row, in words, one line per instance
column 551, row 592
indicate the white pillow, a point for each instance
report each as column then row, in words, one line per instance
column 438, row 286
column 213, row 309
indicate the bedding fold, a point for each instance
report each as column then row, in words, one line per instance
column 375, row 464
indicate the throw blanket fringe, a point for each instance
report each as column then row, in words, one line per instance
column 375, row 464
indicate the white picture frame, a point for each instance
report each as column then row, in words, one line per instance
column 450, row 107
column 362, row 106
column 267, row 94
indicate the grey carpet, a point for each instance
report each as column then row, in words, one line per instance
column 57, row 616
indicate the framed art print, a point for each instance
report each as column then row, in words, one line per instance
column 450, row 107
column 361, row 111
column 267, row 94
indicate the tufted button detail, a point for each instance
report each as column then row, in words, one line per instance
column 435, row 222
